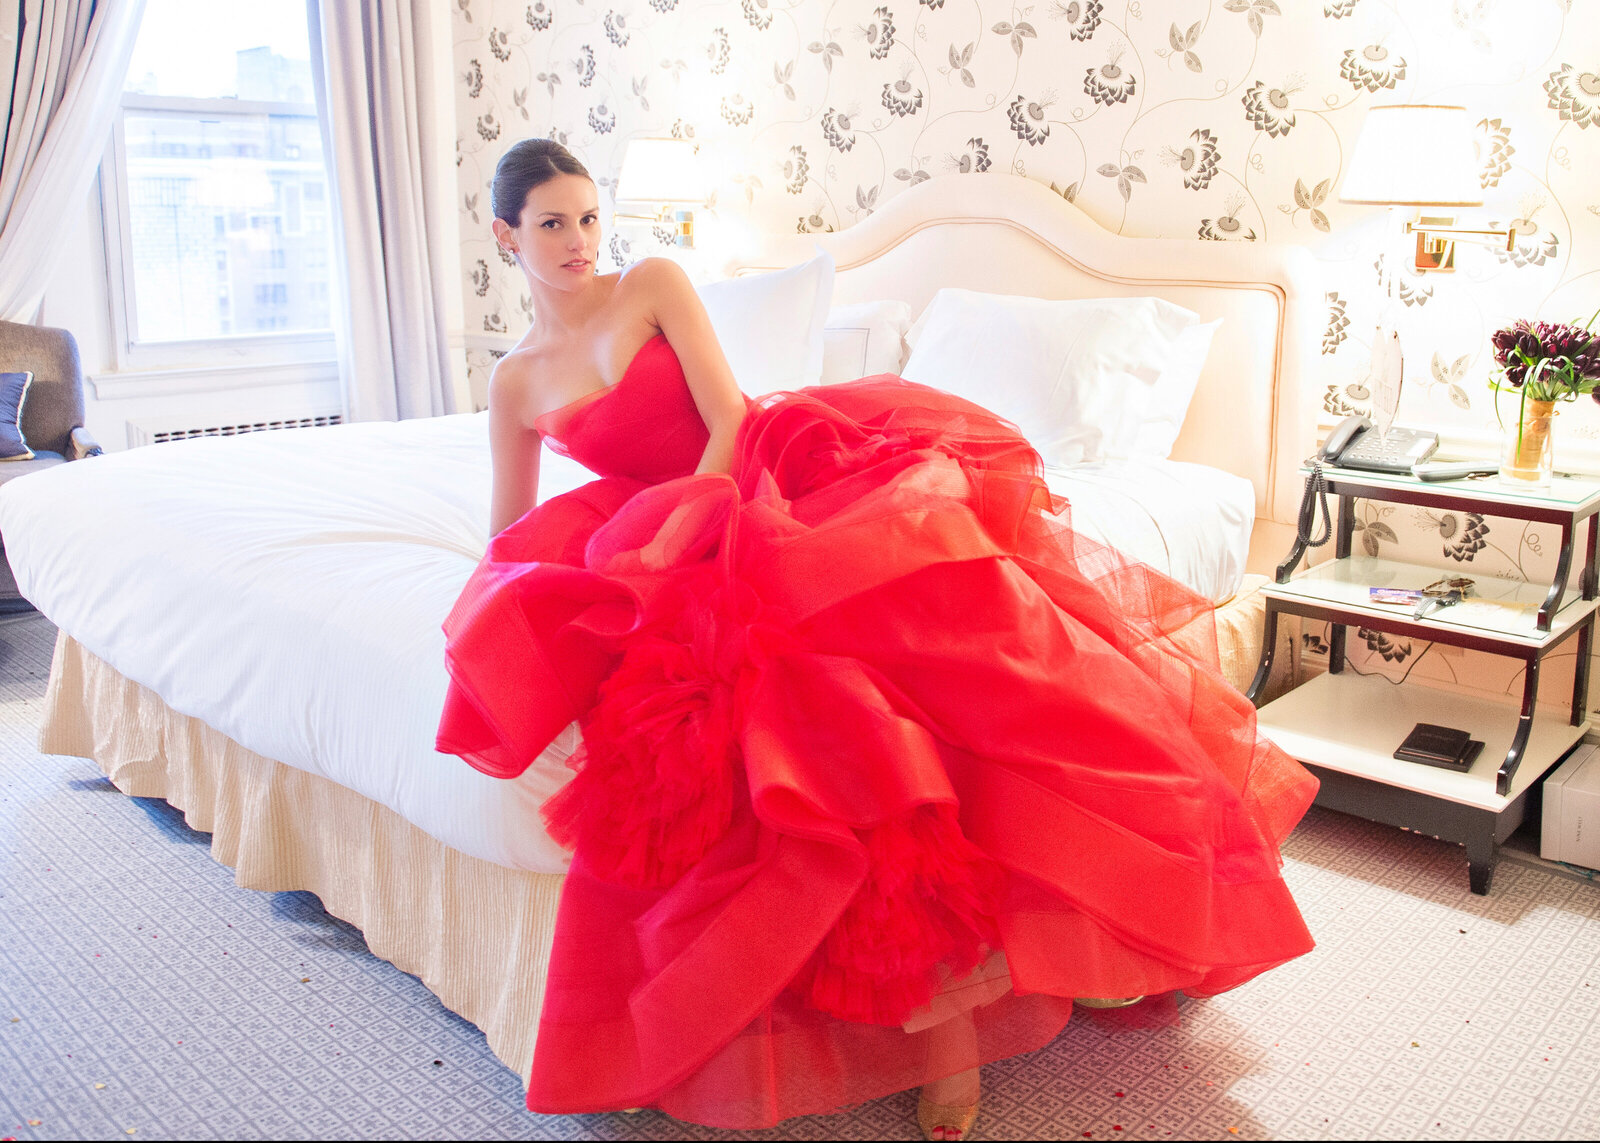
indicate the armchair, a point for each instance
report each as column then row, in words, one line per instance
column 52, row 416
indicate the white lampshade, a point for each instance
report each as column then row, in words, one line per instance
column 1414, row 154
column 660, row 171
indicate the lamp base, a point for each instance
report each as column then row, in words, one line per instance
column 680, row 223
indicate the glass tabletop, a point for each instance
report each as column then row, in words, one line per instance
column 1572, row 490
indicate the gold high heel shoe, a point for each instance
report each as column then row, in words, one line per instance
column 1108, row 1001
column 952, row 1117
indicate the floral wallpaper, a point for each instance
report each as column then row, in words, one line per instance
column 1219, row 120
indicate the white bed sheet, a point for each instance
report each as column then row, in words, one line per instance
column 1191, row 521
column 287, row 588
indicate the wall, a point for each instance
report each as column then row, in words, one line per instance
column 1224, row 121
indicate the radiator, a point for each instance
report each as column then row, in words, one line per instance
column 145, row 433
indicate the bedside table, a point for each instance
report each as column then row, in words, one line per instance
column 1345, row 727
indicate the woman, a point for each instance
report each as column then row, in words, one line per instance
column 883, row 765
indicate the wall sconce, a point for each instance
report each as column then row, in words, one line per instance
column 1421, row 155
column 663, row 174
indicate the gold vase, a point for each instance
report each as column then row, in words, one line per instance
column 1527, row 455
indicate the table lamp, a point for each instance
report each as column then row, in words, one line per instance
column 662, row 174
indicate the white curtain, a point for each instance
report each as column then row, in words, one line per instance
column 376, row 83
column 68, row 64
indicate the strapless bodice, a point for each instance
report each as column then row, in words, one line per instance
column 646, row 426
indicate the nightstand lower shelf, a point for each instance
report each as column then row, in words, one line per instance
column 1346, row 727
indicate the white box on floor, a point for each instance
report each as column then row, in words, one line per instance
column 1570, row 826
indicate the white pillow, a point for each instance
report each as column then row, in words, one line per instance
column 863, row 340
column 1076, row 377
column 1169, row 400
column 770, row 325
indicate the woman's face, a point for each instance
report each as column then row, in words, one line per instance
column 558, row 238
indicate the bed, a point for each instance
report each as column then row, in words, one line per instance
column 249, row 627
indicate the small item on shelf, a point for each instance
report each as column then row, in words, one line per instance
column 1442, row 746
column 1458, row 585
column 1443, row 592
column 1454, row 470
column 1405, row 596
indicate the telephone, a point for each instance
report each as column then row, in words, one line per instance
column 1351, row 445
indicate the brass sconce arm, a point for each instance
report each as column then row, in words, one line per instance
column 1437, row 237
column 1506, row 238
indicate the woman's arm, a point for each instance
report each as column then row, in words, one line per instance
column 513, row 445
column 678, row 313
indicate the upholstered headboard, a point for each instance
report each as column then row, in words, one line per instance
column 1004, row 234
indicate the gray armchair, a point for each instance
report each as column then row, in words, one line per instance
column 52, row 415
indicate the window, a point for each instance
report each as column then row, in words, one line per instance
column 216, row 191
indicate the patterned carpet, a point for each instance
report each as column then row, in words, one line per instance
column 143, row 994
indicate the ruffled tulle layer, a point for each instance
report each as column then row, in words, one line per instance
column 871, row 737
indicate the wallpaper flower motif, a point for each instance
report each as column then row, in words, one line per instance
column 796, row 170
column 879, row 34
column 1226, row 227
column 900, row 98
column 1575, row 95
column 1027, row 120
column 1494, row 152
column 1386, row 645
column 1109, row 83
column 1197, row 161
column 1373, row 68
column 836, row 130
column 1269, row 108
column 975, row 158
column 1082, row 17
column 1334, row 334
column 758, row 13
column 1464, row 535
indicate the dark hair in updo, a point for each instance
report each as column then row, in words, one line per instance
column 528, row 164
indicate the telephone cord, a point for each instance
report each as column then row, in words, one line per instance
column 1316, row 496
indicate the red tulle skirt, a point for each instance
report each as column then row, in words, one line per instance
column 883, row 765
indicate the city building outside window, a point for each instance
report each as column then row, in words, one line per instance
column 215, row 191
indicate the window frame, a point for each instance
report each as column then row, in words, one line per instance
column 226, row 354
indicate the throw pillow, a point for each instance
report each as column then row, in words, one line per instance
column 864, row 340
column 1076, row 377
column 770, row 325
column 13, row 388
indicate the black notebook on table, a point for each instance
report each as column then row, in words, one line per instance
column 1439, row 746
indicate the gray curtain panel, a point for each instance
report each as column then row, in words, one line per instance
column 375, row 90
column 63, row 63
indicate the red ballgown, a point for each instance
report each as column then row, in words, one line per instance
column 871, row 736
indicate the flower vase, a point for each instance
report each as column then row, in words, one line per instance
column 1527, row 455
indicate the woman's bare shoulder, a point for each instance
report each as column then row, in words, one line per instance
column 514, row 386
column 655, row 275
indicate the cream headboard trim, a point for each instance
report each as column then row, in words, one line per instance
column 955, row 215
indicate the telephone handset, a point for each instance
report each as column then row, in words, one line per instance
column 1341, row 437
column 1352, row 444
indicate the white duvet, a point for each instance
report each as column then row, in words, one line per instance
column 287, row 588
